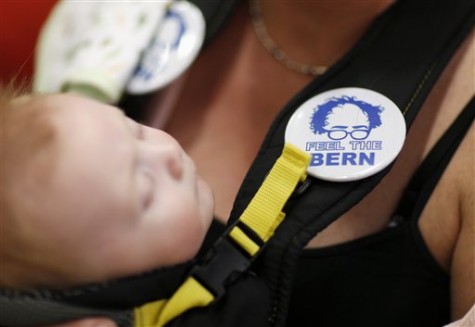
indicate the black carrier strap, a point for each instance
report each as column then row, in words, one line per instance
column 429, row 172
column 112, row 299
column 401, row 57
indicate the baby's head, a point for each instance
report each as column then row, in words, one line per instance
column 87, row 194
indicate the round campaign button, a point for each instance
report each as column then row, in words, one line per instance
column 351, row 133
column 174, row 47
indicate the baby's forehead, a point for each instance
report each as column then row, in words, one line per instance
column 28, row 114
column 64, row 112
column 38, row 108
column 29, row 142
column 55, row 104
column 42, row 122
column 71, row 123
column 34, row 117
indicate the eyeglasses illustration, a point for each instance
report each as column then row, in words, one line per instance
column 359, row 132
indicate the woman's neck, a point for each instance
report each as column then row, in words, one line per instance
column 319, row 32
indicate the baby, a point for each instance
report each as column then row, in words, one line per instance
column 89, row 195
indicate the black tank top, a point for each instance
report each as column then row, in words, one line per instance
column 385, row 279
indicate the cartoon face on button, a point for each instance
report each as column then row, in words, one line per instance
column 345, row 116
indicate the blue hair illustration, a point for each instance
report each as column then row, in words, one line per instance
column 320, row 116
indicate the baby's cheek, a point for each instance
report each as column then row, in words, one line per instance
column 102, row 251
column 169, row 233
column 174, row 239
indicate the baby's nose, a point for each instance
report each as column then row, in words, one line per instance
column 171, row 157
column 167, row 154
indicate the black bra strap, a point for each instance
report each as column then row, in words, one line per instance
column 429, row 172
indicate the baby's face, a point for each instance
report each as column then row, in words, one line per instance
column 121, row 198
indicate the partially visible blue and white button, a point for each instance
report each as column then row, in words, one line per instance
column 174, row 47
column 351, row 133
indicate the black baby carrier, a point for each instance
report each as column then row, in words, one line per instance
column 245, row 277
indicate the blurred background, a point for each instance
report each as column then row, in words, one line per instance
column 20, row 23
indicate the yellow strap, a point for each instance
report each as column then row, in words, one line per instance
column 263, row 215
column 244, row 241
column 148, row 314
column 191, row 294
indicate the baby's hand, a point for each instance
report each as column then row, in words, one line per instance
column 89, row 322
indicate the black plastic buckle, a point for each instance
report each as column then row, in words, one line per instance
column 222, row 261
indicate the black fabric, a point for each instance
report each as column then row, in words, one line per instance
column 112, row 299
column 126, row 292
column 30, row 310
column 216, row 13
column 386, row 277
column 214, row 232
